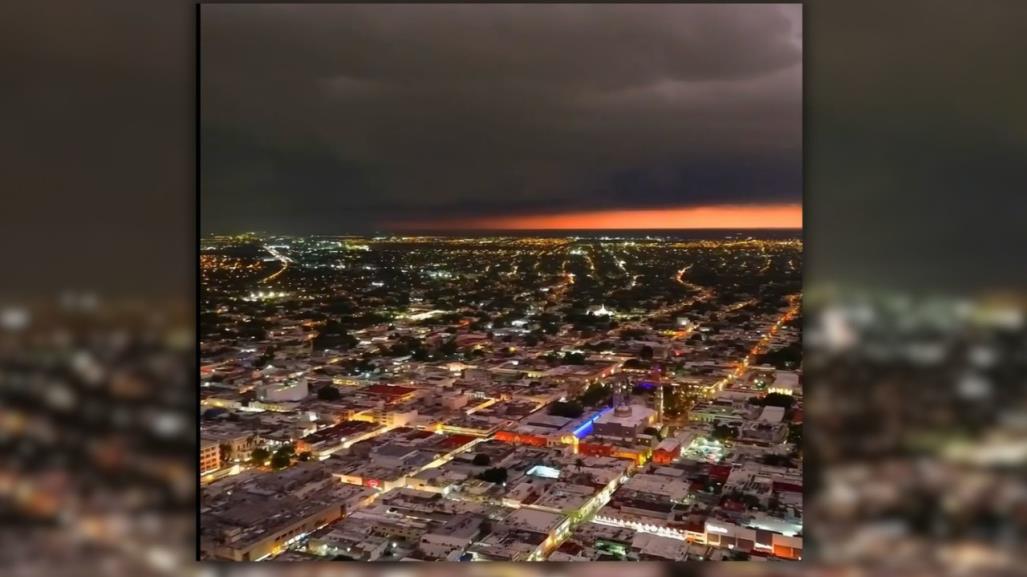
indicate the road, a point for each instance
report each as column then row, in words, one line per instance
column 760, row 347
column 281, row 258
column 705, row 294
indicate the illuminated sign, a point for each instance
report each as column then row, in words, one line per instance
column 716, row 529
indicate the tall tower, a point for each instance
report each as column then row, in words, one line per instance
column 659, row 403
column 657, row 377
column 621, row 405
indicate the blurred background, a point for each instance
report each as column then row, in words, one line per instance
column 916, row 344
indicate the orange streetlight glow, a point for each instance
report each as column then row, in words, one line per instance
column 723, row 217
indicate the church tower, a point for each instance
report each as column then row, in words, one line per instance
column 659, row 403
column 621, row 403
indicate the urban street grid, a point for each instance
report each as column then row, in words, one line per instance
column 564, row 397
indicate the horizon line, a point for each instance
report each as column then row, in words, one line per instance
column 720, row 217
column 440, row 231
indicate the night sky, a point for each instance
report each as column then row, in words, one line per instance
column 349, row 118
column 915, row 145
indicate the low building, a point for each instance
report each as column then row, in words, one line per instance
column 290, row 391
column 785, row 383
column 625, row 422
column 263, row 517
column 210, row 456
column 667, row 451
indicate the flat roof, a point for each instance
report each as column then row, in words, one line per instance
column 539, row 521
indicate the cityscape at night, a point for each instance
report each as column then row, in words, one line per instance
column 521, row 283
column 576, row 398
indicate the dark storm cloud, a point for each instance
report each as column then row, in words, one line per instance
column 336, row 117
column 915, row 152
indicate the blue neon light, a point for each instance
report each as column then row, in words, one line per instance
column 584, row 430
column 587, row 425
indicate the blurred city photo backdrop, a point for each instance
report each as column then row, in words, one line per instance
column 914, row 303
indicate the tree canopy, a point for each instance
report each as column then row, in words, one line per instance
column 329, row 393
column 495, row 475
column 568, row 409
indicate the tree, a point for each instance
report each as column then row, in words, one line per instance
column 334, row 336
column 777, row 460
column 785, row 358
column 283, row 457
column 259, row 455
column 280, row 461
column 496, row 475
column 254, row 329
column 751, row 501
column 795, row 434
column 724, row 432
column 574, row 358
column 329, row 393
column 568, row 409
column 305, row 456
column 482, row 460
column 595, row 394
column 449, row 347
column 673, row 400
column 778, row 400
column 400, row 349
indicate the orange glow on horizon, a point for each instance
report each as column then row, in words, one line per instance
column 728, row 217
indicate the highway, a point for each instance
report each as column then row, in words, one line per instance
column 281, row 258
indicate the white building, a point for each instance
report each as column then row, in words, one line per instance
column 785, row 383
column 626, row 422
column 772, row 415
column 289, row 391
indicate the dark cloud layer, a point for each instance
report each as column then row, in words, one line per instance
column 333, row 118
column 914, row 151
